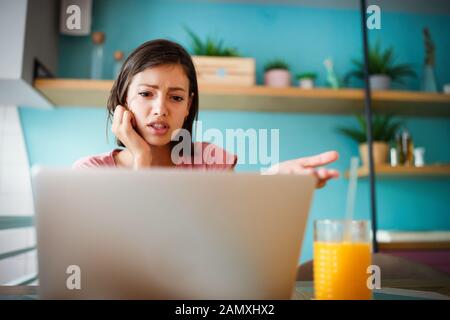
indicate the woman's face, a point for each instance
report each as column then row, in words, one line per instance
column 159, row 99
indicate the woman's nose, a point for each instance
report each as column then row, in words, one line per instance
column 159, row 107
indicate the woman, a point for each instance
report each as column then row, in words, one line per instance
column 154, row 97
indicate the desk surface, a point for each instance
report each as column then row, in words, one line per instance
column 399, row 289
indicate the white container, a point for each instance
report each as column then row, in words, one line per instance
column 393, row 157
column 446, row 88
column 306, row 83
column 419, row 157
column 379, row 82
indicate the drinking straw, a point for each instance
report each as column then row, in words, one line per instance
column 351, row 195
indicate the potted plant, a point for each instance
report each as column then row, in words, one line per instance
column 276, row 74
column 384, row 128
column 382, row 68
column 217, row 64
column 306, row 80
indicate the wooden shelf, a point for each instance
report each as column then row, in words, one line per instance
column 414, row 246
column 406, row 171
column 401, row 240
column 94, row 93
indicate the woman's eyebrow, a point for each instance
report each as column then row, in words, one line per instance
column 157, row 87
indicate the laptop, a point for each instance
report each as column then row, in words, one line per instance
column 168, row 234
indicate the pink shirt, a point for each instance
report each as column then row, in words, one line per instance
column 207, row 156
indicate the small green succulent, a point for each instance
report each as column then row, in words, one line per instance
column 209, row 47
column 276, row 64
column 307, row 75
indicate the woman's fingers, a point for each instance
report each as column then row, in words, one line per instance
column 324, row 175
column 126, row 120
column 333, row 173
column 117, row 118
column 321, row 175
column 133, row 120
column 308, row 165
column 123, row 120
column 320, row 184
column 319, row 160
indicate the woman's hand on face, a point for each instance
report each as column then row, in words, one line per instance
column 308, row 165
column 123, row 128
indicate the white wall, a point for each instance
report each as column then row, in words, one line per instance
column 28, row 32
column 15, row 200
column 12, row 36
column 41, row 37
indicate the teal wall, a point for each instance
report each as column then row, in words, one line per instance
column 302, row 36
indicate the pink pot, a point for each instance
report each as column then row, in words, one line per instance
column 277, row 78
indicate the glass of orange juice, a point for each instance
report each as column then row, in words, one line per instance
column 342, row 255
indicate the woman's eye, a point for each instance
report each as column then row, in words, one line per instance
column 145, row 93
column 177, row 98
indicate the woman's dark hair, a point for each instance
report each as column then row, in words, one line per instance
column 151, row 54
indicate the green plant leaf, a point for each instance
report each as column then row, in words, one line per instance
column 276, row 64
column 362, row 123
column 209, row 47
column 196, row 42
column 384, row 128
column 354, row 134
column 307, row 75
column 381, row 62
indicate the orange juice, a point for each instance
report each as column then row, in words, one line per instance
column 340, row 270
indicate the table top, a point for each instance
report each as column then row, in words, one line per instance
column 398, row 289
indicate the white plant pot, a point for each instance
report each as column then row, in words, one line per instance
column 306, row 83
column 277, row 78
column 379, row 82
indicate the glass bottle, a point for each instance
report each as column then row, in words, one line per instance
column 407, row 148
column 399, row 147
column 98, row 38
column 118, row 57
column 429, row 79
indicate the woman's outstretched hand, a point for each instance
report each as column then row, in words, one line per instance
column 309, row 165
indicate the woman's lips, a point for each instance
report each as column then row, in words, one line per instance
column 158, row 128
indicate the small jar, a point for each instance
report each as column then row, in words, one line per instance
column 393, row 156
column 419, row 157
